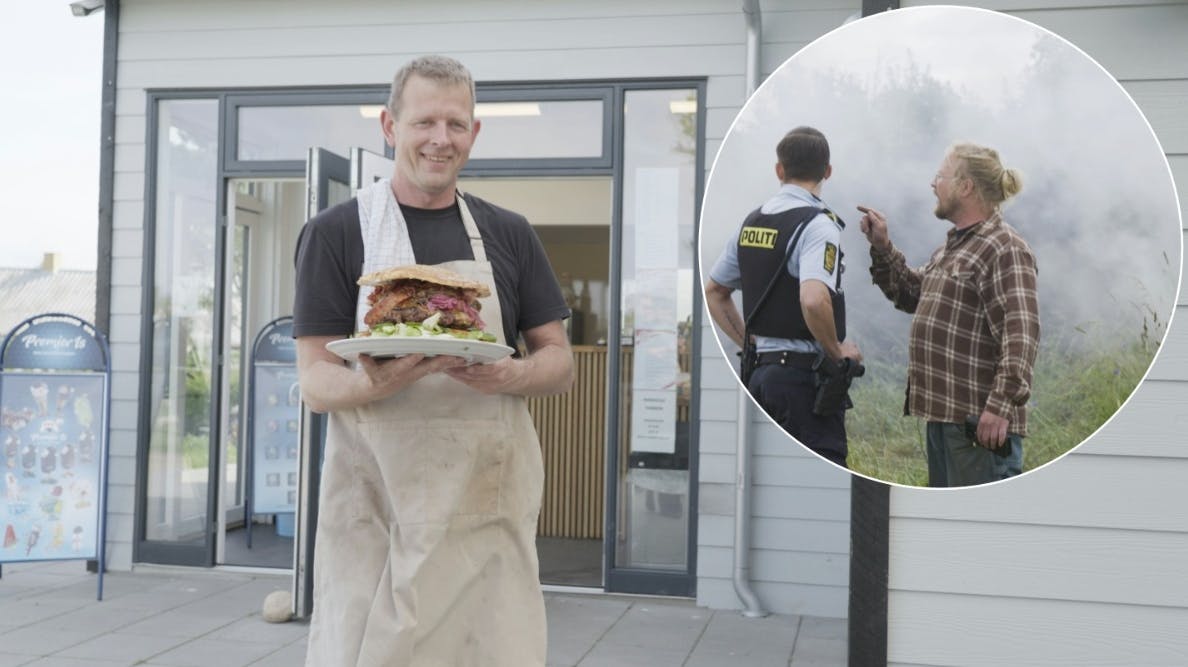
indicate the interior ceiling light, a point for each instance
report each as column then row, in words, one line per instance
column 506, row 109
column 682, row 106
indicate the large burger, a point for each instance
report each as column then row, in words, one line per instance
column 424, row 300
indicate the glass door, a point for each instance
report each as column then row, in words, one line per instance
column 264, row 218
column 652, row 490
column 243, row 214
column 572, row 216
column 178, row 417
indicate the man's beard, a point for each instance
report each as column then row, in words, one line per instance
column 945, row 208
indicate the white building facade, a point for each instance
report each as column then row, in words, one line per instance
column 211, row 110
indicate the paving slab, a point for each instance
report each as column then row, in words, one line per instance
column 172, row 617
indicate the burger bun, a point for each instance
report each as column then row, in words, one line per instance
column 428, row 273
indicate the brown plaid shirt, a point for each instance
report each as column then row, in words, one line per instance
column 976, row 325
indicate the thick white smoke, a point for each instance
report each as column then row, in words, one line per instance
column 893, row 91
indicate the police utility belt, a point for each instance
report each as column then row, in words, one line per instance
column 788, row 359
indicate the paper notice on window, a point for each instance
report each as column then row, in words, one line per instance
column 653, row 421
column 655, row 301
column 654, row 368
column 654, row 391
column 657, row 203
column 655, row 364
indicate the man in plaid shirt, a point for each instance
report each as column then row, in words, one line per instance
column 976, row 326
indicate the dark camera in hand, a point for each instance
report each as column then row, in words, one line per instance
column 971, row 432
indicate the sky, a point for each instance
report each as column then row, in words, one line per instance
column 893, row 91
column 49, row 144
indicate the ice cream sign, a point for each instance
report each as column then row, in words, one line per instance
column 54, row 345
column 53, row 441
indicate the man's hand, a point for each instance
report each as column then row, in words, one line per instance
column 500, row 377
column 874, row 226
column 548, row 368
column 850, row 350
column 388, row 376
column 329, row 384
column 992, row 430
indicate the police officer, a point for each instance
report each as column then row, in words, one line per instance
column 787, row 260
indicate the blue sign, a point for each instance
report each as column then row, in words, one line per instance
column 53, row 428
column 54, row 342
column 275, row 407
column 275, row 439
column 276, row 344
column 50, row 427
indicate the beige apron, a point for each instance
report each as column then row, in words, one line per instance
column 426, row 550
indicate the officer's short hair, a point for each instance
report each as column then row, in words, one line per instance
column 804, row 154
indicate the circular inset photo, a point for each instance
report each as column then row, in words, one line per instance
column 946, row 243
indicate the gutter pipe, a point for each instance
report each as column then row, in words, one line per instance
column 752, row 608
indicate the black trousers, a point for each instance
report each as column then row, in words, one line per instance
column 786, row 395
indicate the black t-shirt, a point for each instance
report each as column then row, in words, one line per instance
column 330, row 260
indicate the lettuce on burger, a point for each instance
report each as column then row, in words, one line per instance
column 424, row 300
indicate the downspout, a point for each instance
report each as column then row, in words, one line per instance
column 107, row 124
column 742, row 486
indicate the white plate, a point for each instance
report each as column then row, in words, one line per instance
column 473, row 351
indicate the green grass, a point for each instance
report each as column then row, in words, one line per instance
column 1073, row 394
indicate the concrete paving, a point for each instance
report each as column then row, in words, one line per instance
column 175, row 617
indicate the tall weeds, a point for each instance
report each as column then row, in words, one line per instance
column 1077, row 386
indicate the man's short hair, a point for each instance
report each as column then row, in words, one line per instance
column 804, row 154
column 442, row 70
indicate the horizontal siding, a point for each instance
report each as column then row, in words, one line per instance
column 992, row 631
column 784, row 598
column 601, row 33
column 156, row 15
column 1163, row 103
column 1124, row 48
column 1112, row 493
column 1084, row 562
column 768, row 566
column 1061, row 563
column 574, row 63
column 1151, row 424
column 1016, row 6
column 1122, row 39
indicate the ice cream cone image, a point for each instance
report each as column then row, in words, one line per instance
column 34, row 534
column 12, row 488
column 83, row 412
column 40, row 391
column 63, row 396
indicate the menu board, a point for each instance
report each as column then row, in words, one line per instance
column 274, row 446
column 50, row 426
column 54, row 378
column 275, row 407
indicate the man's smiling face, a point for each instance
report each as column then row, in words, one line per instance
column 431, row 138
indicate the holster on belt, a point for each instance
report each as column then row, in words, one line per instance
column 750, row 359
column 833, row 384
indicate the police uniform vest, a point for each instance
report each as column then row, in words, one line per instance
column 763, row 253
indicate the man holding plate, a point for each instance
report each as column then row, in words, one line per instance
column 432, row 477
